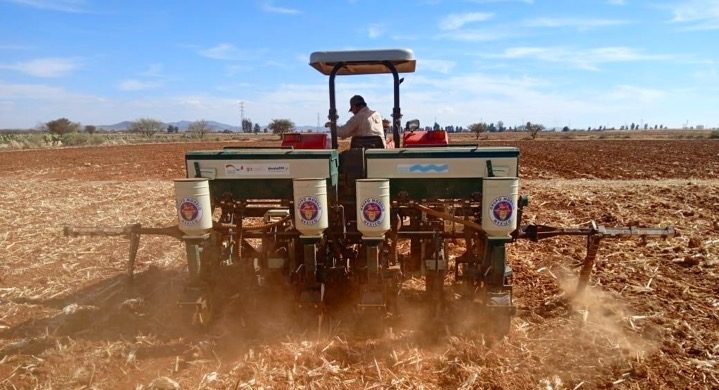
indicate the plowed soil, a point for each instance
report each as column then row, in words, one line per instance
column 650, row 318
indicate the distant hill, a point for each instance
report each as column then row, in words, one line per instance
column 216, row 126
column 182, row 125
column 124, row 125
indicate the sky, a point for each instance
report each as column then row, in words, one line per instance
column 559, row 63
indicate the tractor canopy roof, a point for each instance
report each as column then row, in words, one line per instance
column 363, row 61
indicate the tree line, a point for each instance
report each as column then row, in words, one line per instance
column 481, row 127
column 149, row 127
column 143, row 126
column 198, row 129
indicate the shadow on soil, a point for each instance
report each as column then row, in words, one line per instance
column 114, row 309
column 119, row 310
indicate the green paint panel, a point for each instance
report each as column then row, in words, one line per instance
column 258, row 188
column 469, row 152
column 263, row 188
column 252, row 188
column 261, row 154
column 435, row 188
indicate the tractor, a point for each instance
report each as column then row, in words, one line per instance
column 332, row 229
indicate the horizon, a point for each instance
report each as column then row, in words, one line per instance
column 607, row 63
column 219, row 127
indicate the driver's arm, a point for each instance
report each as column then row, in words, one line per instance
column 350, row 128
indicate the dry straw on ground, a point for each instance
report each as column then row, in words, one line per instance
column 69, row 320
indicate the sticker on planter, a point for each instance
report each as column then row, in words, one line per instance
column 501, row 211
column 372, row 212
column 190, row 211
column 309, row 210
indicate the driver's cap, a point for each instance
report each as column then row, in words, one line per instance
column 356, row 99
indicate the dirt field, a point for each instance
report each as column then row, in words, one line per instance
column 650, row 320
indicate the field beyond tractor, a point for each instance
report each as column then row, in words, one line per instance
column 648, row 320
column 336, row 230
column 395, row 259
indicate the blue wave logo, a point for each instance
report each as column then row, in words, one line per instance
column 426, row 168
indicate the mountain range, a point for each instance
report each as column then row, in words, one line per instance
column 183, row 125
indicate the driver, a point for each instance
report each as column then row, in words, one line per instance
column 365, row 122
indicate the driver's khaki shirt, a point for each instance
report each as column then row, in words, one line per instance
column 365, row 122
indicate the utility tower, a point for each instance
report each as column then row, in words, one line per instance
column 242, row 115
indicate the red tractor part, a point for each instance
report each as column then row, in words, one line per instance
column 422, row 139
column 306, row 140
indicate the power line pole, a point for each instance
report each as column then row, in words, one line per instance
column 242, row 116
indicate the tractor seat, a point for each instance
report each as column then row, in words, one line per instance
column 367, row 142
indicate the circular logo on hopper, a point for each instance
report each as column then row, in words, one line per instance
column 309, row 210
column 501, row 211
column 190, row 211
column 372, row 212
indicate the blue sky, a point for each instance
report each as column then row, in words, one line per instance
column 576, row 63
